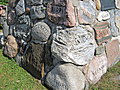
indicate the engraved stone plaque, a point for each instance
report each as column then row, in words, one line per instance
column 112, row 51
column 107, row 4
column 40, row 32
column 102, row 32
column 61, row 12
column 76, row 45
column 96, row 68
column 65, row 77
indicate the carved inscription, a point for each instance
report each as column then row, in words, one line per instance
column 41, row 32
column 102, row 32
column 96, row 68
column 74, row 45
column 61, row 12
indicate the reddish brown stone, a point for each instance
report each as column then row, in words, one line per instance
column 112, row 51
column 102, row 32
column 61, row 12
column 96, row 68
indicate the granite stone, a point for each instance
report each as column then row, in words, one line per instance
column 76, row 45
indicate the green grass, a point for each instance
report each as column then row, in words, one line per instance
column 13, row 77
column 108, row 81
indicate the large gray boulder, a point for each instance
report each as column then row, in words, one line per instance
column 66, row 77
column 76, row 45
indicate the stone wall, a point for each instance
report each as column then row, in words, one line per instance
column 69, row 44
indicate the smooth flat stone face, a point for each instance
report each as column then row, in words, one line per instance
column 35, row 56
column 107, row 4
column 65, row 77
column 103, row 33
column 96, row 68
column 76, row 45
column 40, row 32
column 61, row 12
column 112, row 51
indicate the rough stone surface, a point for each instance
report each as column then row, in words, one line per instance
column 102, row 31
column 103, row 15
column 117, row 3
column 96, row 68
column 35, row 56
column 107, row 5
column 112, row 51
column 61, row 12
column 65, row 77
column 40, row 32
column 11, row 17
column 100, row 50
column 22, row 31
column 34, row 2
column 11, row 47
column 86, row 12
column 76, row 45
column 24, row 19
column 37, row 12
column 98, row 4
column 117, row 19
column 20, row 7
column 113, row 27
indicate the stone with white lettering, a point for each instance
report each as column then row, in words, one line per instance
column 117, row 3
column 114, row 29
column 86, row 12
column 61, row 12
column 76, row 45
column 37, row 12
column 34, row 2
column 103, row 15
column 40, row 32
column 96, row 68
column 102, row 31
column 11, row 17
column 20, row 7
column 65, row 77
column 112, row 51
column 11, row 47
column 117, row 19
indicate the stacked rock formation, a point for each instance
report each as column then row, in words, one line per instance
column 70, row 43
